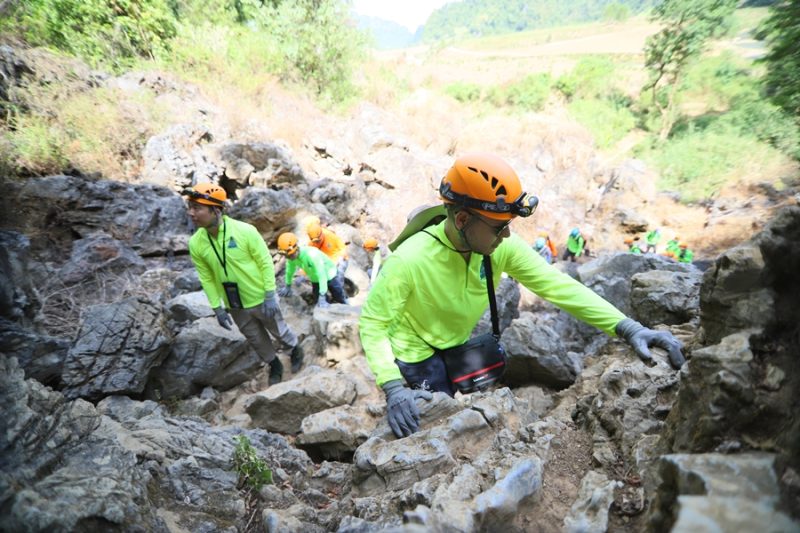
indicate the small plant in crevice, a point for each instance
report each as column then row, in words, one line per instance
column 253, row 471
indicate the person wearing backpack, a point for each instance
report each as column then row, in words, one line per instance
column 432, row 290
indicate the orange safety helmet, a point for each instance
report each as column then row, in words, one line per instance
column 628, row 240
column 487, row 184
column 370, row 243
column 683, row 245
column 207, row 194
column 287, row 244
column 314, row 230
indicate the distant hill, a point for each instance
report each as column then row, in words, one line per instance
column 387, row 34
column 474, row 18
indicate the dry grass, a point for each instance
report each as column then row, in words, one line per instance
column 62, row 304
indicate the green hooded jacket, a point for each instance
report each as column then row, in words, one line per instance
column 426, row 295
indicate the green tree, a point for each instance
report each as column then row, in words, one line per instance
column 616, row 12
column 688, row 26
column 782, row 33
column 101, row 32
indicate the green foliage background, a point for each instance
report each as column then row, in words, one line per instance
column 492, row 17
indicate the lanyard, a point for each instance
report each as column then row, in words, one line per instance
column 221, row 260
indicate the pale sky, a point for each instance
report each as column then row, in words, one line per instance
column 409, row 13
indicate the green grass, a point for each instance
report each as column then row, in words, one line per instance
column 607, row 121
column 513, row 41
column 698, row 164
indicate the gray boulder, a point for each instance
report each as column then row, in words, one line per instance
column 663, row 297
column 537, row 354
column 717, row 398
column 62, row 467
column 99, row 253
column 611, row 276
column 272, row 212
column 734, row 295
column 345, row 200
column 17, row 296
column 335, row 433
column 203, row 354
column 282, row 407
column 115, row 349
column 42, row 357
column 175, row 159
column 189, row 307
column 716, row 492
column 150, row 219
column 336, row 328
column 589, row 513
column 260, row 165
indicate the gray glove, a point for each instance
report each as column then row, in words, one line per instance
column 285, row 291
column 322, row 301
column 223, row 317
column 270, row 304
column 401, row 407
column 641, row 338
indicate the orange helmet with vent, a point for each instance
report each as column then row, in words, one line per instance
column 207, row 194
column 371, row 243
column 287, row 243
column 486, row 184
column 314, row 230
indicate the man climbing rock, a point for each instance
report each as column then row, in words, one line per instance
column 436, row 285
column 238, row 277
column 318, row 267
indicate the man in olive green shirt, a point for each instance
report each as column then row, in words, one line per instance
column 432, row 290
column 238, row 277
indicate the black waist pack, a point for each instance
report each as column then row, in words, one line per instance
column 476, row 364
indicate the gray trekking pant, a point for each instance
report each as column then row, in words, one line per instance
column 257, row 328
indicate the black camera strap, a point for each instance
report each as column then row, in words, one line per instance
column 487, row 268
column 221, row 260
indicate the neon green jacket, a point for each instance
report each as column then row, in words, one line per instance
column 318, row 267
column 685, row 256
column 247, row 261
column 575, row 245
column 653, row 237
column 426, row 295
column 635, row 250
column 672, row 246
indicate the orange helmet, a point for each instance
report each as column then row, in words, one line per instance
column 207, row 194
column 314, row 230
column 628, row 240
column 370, row 243
column 683, row 245
column 287, row 244
column 487, row 184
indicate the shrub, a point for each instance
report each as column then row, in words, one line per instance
column 592, row 77
column 102, row 33
column 96, row 130
column 529, row 94
column 697, row 164
column 253, row 471
column 719, row 80
column 464, row 91
column 608, row 121
column 764, row 121
column 32, row 146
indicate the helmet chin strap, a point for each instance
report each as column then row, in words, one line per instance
column 462, row 233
